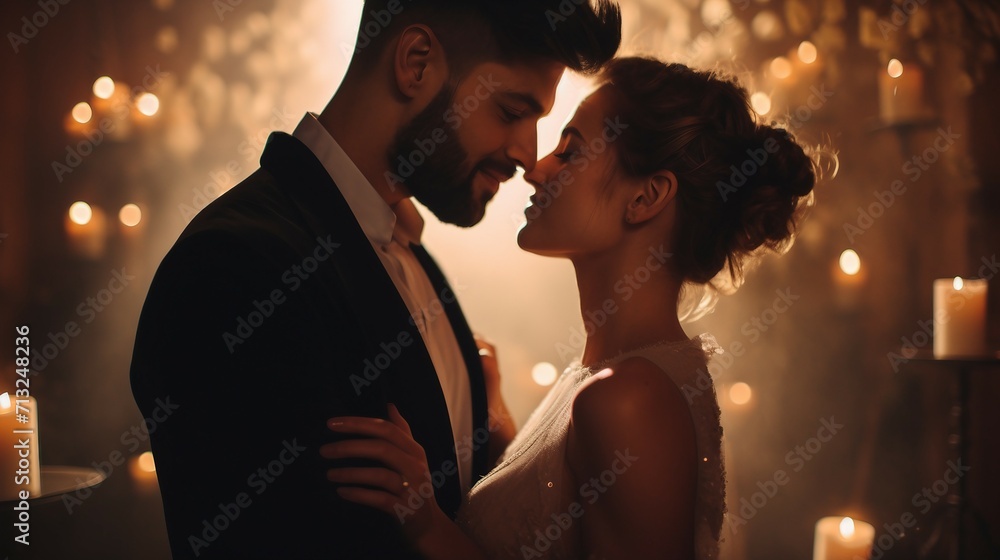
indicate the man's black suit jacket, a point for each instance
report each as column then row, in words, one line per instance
column 271, row 314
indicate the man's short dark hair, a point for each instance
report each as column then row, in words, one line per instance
column 582, row 35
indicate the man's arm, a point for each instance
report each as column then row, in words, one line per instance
column 254, row 359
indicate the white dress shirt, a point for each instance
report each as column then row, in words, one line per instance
column 390, row 238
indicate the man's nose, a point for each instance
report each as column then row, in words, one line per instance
column 523, row 150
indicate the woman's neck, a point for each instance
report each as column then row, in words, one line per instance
column 628, row 299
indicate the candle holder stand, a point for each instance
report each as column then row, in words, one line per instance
column 949, row 528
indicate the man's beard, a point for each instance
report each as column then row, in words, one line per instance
column 439, row 182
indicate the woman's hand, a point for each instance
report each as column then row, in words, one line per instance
column 501, row 425
column 491, row 372
column 396, row 488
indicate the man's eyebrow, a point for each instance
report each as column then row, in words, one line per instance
column 525, row 98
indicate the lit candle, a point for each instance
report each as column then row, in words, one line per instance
column 86, row 230
column 901, row 92
column 842, row 538
column 18, row 448
column 849, row 277
column 143, row 471
column 959, row 317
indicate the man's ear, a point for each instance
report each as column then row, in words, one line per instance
column 419, row 64
column 653, row 194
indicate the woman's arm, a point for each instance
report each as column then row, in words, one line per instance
column 632, row 447
column 397, row 487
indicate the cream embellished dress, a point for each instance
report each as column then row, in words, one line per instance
column 524, row 507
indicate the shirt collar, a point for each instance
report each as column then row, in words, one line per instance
column 376, row 218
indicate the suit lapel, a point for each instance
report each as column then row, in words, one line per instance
column 394, row 349
column 470, row 352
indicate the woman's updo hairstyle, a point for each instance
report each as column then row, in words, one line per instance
column 740, row 183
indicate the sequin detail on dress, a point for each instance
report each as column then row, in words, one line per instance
column 524, row 507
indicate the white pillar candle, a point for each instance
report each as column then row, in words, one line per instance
column 959, row 317
column 842, row 538
column 901, row 98
column 19, row 468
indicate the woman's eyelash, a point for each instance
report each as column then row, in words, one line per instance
column 566, row 156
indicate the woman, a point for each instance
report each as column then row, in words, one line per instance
column 623, row 457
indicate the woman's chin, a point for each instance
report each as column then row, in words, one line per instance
column 527, row 239
column 531, row 241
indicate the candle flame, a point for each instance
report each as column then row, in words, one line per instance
column 5, row 400
column 847, row 528
column 850, row 262
column 146, row 463
column 958, row 283
column 895, row 68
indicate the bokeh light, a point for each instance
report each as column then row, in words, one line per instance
column 761, row 102
column 80, row 213
column 544, row 373
column 145, row 462
column 104, row 87
column 767, row 26
column 740, row 393
column 850, row 262
column 148, row 104
column 807, row 52
column 894, row 68
column 781, row 67
column 130, row 215
column 82, row 112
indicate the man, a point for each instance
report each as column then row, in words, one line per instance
column 304, row 293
